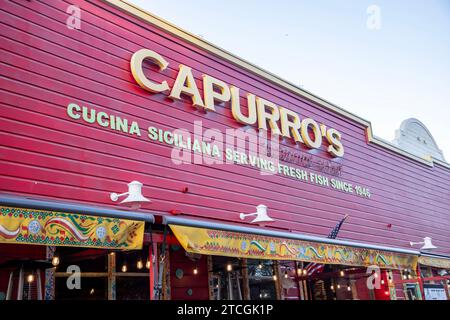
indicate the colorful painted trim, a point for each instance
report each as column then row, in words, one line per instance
column 435, row 262
column 242, row 245
column 50, row 228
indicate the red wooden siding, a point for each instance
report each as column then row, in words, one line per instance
column 45, row 66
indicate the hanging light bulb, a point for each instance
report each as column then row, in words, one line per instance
column 382, row 281
column 140, row 264
column 274, row 277
column 92, row 291
column 260, row 265
column 338, row 286
column 305, row 272
column 299, row 272
column 195, row 270
column 30, row 278
column 332, row 287
column 342, row 273
column 348, row 288
column 388, row 277
column 229, row 267
column 286, row 274
column 147, row 264
column 124, row 267
column 55, row 261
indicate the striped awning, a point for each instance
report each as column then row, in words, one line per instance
column 284, row 246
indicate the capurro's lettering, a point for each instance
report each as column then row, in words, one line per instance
column 262, row 113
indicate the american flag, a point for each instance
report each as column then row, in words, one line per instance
column 316, row 268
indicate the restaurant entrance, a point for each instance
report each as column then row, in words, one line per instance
column 29, row 272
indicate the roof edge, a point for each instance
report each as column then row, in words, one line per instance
column 164, row 25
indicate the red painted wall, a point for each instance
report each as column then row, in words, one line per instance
column 186, row 285
column 45, row 66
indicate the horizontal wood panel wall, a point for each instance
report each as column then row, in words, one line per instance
column 45, row 66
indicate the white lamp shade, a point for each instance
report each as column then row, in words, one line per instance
column 135, row 193
column 261, row 214
column 427, row 245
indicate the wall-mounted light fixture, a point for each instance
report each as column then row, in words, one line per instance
column 135, row 197
column 427, row 245
column 261, row 214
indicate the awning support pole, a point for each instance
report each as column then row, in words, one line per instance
column 161, row 264
column 419, row 278
column 20, row 286
column 151, row 270
column 39, row 284
column 10, row 286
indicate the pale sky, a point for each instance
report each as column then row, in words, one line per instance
column 384, row 75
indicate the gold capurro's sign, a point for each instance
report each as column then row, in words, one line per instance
column 261, row 112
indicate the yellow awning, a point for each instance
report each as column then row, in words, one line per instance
column 51, row 228
column 435, row 262
column 253, row 246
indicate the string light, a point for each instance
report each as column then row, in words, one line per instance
column 338, row 286
column 406, row 274
column 147, row 264
column 299, row 271
column 332, row 287
column 140, row 265
column 195, row 270
column 55, row 261
column 305, row 272
column 124, row 268
column 342, row 273
column 260, row 265
column 30, row 278
column 229, row 267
